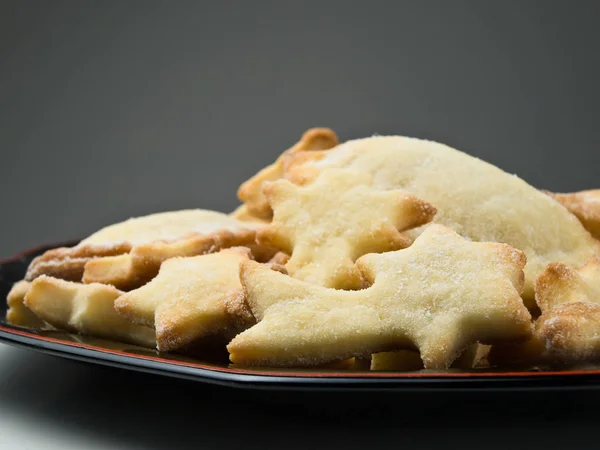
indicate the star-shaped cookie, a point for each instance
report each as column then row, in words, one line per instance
column 328, row 224
column 437, row 296
column 251, row 193
column 186, row 300
column 569, row 299
column 568, row 330
column 560, row 284
column 84, row 308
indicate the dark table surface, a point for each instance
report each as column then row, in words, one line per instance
column 47, row 402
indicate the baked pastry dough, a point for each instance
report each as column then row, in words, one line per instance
column 408, row 360
column 251, row 191
column 326, row 226
column 336, row 258
column 474, row 198
column 586, row 207
column 570, row 303
column 438, row 296
column 84, row 308
column 568, row 330
column 186, row 300
column 128, row 254
column 18, row 314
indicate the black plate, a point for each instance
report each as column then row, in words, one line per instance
column 220, row 372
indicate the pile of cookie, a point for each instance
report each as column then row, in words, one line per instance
column 391, row 251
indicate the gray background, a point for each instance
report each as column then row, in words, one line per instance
column 115, row 109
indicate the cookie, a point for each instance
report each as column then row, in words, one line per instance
column 440, row 295
column 326, row 226
column 585, row 205
column 84, row 308
column 409, row 360
column 18, row 314
column 128, row 254
column 570, row 303
column 476, row 199
column 568, row 329
column 251, row 191
column 186, row 300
